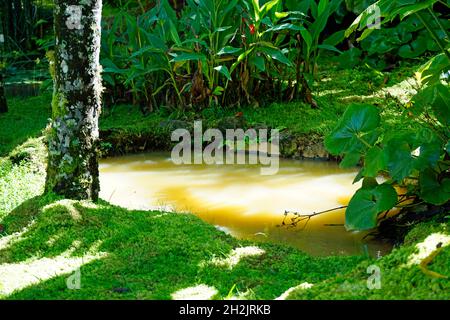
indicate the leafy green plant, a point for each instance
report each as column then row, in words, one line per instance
column 136, row 54
column 313, row 32
column 413, row 160
column 210, row 28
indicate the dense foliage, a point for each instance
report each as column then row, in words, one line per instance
column 214, row 51
column 414, row 159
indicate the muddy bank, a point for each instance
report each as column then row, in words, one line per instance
column 115, row 142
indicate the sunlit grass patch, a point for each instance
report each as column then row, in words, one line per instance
column 302, row 286
column 70, row 206
column 234, row 257
column 17, row 276
column 22, row 175
column 199, row 292
column 10, row 239
column 433, row 242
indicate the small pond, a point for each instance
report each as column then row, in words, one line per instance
column 239, row 200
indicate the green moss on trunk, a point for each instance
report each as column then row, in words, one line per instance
column 73, row 136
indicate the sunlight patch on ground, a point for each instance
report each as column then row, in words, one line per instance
column 403, row 91
column 233, row 258
column 302, row 286
column 159, row 215
column 70, row 206
column 7, row 241
column 328, row 92
column 200, row 292
column 356, row 98
column 430, row 244
column 16, row 276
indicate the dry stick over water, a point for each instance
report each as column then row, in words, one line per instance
column 298, row 217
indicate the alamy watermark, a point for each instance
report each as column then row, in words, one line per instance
column 237, row 147
column 73, row 282
column 374, row 280
column 374, row 17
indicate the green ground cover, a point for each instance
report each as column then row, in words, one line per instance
column 152, row 255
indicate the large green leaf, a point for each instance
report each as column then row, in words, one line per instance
column 284, row 26
column 189, row 57
column 400, row 158
column 355, row 130
column 374, row 162
column 259, row 62
column 174, row 33
column 432, row 190
column 411, row 151
column 308, row 39
column 436, row 97
column 228, row 50
column 224, row 70
column 110, row 67
column 441, row 103
column 367, row 203
column 335, row 39
column 431, row 71
column 268, row 6
column 299, row 5
column 275, row 54
column 414, row 49
column 409, row 9
column 329, row 48
column 241, row 58
column 323, row 4
column 146, row 49
column 350, row 160
column 388, row 9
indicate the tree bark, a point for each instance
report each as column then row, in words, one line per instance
column 73, row 136
column 3, row 103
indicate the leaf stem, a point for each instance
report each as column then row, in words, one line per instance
column 433, row 34
column 439, row 24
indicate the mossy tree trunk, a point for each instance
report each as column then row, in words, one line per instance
column 3, row 103
column 73, row 136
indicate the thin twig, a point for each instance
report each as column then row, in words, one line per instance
column 298, row 217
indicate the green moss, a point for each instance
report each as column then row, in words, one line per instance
column 59, row 103
column 398, row 281
column 153, row 256
column 26, row 118
column 22, row 175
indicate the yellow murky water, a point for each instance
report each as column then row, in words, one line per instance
column 237, row 199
